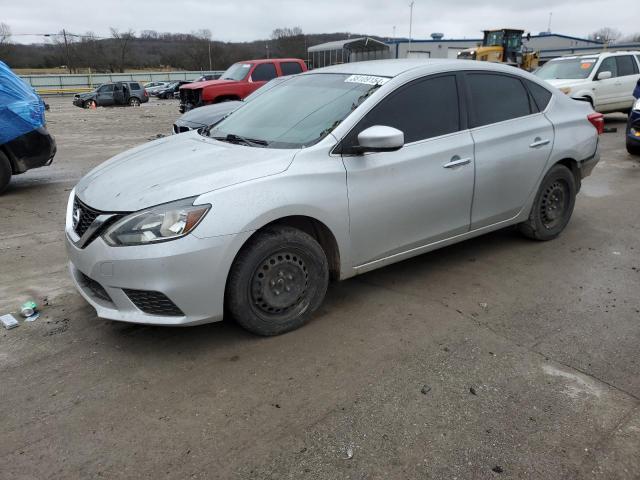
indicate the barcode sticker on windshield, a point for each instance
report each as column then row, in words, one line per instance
column 367, row 80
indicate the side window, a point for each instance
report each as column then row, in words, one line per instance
column 135, row 86
column 264, row 72
column 423, row 109
column 609, row 64
column 540, row 95
column 626, row 65
column 496, row 98
column 290, row 68
column 106, row 89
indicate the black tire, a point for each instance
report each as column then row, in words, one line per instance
column 134, row 102
column 553, row 205
column 633, row 147
column 277, row 281
column 5, row 172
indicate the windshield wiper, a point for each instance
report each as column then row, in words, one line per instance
column 251, row 142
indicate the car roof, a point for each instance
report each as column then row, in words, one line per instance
column 272, row 60
column 396, row 67
column 599, row 54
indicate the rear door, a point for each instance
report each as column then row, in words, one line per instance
column 513, row 142
column 627, row 78
column 402, row 200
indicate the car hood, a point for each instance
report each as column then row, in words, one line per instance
column 209, row 114
column 208, row 83
column 175, row 167
column 560, row 83
column 85, row 95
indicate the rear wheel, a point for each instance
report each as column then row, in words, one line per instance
column 134, row 102
column 277, row 281
column 5, row 172
column 553, row 205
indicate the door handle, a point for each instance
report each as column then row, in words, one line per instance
column 538, row 142
column 457, row 162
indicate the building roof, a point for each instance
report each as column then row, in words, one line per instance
column 542, row 35
column 353, row 44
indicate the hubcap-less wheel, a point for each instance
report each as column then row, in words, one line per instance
column 134, row 102
column 554, row 204
column 279, row 284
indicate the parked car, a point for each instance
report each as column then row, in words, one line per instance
column 204, row 78
column 152, row 91
column 149, row 85
column 605, row 80
column 633, row 124
column 211, row 114
column 330, row 174
column 25, row 142
column 169, row 90
column 118, row 93
column 238, row 81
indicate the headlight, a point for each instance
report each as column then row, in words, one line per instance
column 158, row 224
column 636, row 105
column 566, row 90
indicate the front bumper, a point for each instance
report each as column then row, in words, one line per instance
column 191, row 272
column 32, row 150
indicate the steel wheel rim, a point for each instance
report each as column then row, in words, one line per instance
column 280, row 283
column 554, row 205
column 134, row 102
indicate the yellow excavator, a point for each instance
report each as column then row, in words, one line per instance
column 503, row 46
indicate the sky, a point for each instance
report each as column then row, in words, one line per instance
column 246, row 20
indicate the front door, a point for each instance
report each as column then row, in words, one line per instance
column 607, row 90
column 261, row 74
column 513, row 143
column 627, row 78
column 402, row 200
column 104, row 97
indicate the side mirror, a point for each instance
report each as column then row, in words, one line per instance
column 380, row 138
column 604, row 75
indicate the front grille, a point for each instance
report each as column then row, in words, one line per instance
column 191, row 96
column 153, row 303
column 83, row 216
column 180, row 129
column 95, row 288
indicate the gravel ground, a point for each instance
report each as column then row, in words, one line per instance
column 495, row 358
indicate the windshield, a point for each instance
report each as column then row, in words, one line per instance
column 567, row 68
column 237, row 71
column 297, row 113
column 493, row 39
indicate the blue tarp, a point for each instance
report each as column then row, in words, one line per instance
column 21, row 110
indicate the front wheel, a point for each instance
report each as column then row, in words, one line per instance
column 633, row 147
column 134, row 102
column 553, row 205
column 277, row 281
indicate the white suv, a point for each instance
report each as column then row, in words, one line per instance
column 606, row 80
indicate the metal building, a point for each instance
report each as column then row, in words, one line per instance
column 345, row 51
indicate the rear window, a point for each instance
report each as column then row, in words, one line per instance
column 540, row 95
column 135, row 86
column 496, row 98
column 290, row 68
column 626, row 65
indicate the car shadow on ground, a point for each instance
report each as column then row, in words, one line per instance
column 226, row 333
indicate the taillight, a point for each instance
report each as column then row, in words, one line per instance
column 597, row 120
column 146, row 94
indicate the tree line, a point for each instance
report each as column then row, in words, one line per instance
column 124, row 50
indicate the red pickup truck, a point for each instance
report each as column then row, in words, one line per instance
column 240, row 80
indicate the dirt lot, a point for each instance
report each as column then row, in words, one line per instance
column 496, row 358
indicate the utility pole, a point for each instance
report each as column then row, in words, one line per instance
column 267, row 47
column 549, row 27
column 410, row 25
column 210, row 65
column 66, row 49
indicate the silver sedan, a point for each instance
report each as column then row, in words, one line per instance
column 330, row 174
